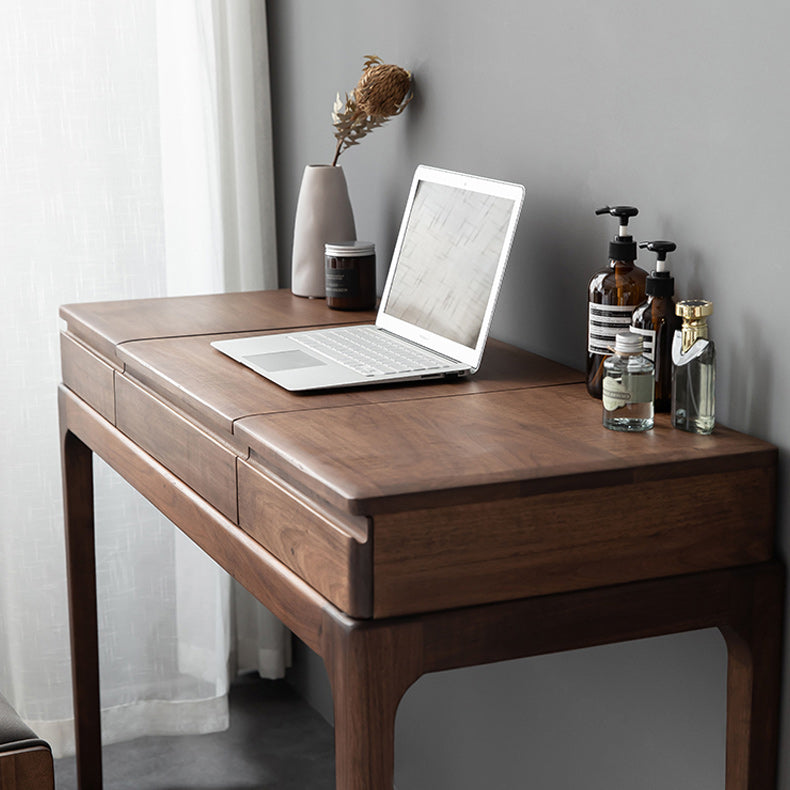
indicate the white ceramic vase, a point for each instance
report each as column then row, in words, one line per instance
column 323, row 214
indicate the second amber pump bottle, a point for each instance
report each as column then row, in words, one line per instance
column 656, row 320
column 613, row 294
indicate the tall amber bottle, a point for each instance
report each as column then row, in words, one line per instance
column 612, row 295
column 656, row 321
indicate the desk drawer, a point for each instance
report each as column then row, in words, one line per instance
column 537, row 545
column 329, row 551
column 202, row 463
column 88, row 376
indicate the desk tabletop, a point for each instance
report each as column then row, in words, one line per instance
column 505, row 477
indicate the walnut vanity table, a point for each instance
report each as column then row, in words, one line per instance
column 409, row 529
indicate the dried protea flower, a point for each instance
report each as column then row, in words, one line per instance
column 382, row 88
column 382, row 92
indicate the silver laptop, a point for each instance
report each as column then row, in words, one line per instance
column 437, row 304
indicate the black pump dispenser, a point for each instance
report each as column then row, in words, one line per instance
column 656, row 321
column 613, row 294
column 622, row 247
column 659, row 282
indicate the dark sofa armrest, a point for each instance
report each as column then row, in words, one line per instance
column 25, row 759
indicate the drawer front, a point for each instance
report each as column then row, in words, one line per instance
column 88, row 376
column 465, row 554
column 331, row 553
column 204, row 464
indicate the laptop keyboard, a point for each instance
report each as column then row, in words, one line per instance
column 369, row 351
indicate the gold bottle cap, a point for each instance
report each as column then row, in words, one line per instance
column 694, row 309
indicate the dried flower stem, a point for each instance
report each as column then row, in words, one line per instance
column 383, row 91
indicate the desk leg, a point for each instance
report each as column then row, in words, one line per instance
column 370, row 667
column 754, row 667
column 80, row 553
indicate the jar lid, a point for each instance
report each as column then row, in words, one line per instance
column 628, row 343
column 350, row 249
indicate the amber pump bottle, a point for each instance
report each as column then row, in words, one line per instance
column 612, row 294
column 657, row 321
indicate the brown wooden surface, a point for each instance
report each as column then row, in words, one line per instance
column 105, row 325
column 372, row 663
column 500, row 486
column 293, row 601
column 395, row 456
column 200, row 461
column 495, row 516
column 88, row 375
column 27, row 769
column 458, row 555
column 217, row 391
column 331, row 550
column 77, row 464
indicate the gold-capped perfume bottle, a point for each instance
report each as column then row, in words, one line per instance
column 694, row 369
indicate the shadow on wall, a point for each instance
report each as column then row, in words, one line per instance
column 750, row 380
column 544, row 297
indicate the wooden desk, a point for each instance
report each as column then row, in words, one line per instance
column 403, row 530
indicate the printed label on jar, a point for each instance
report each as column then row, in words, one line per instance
column 617, row 392
column 604, row 321
column 342, row 282
column 648, row 342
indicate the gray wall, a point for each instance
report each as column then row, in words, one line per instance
column 677, row 107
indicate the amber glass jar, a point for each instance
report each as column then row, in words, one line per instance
column 350, row 269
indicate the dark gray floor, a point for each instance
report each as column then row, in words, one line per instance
column 275, row 742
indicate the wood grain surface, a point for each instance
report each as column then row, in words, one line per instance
column 422, row 453
column 27, row 769
column 105, row 325
column 458, row 555
column 330, row 550
column 205, row 465
column 287, row 596
column 410, row 529
column 218, row 391
column 90, row 376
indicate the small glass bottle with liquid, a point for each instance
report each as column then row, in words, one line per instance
column 694, row 369
column 628, row 386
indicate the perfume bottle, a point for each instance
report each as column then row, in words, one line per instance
column 628, row 386
column 657, row 321
column 694, row 371
column 612, row 294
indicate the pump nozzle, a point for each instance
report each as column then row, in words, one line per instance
column 622, row 247
column 624, row 212
column 661, row 247
column 659, row 282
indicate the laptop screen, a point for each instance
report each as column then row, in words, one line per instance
column 447, row 261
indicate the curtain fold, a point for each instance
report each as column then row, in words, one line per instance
column 135, row 161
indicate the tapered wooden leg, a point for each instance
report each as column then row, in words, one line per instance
column 81, row 559
column 370, row 668
column 754, row 645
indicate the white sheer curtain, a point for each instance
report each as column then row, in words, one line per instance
column 135, row 161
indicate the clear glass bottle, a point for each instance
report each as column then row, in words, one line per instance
column 694, row 369
column 613, row 293
column 628, row 386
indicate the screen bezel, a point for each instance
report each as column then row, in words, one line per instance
column 470, row 356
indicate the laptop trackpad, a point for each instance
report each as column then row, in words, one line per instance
column 283, row 360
